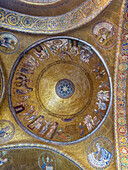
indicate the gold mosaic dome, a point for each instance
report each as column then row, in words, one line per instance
column 60, row 90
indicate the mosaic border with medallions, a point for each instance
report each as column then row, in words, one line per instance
column 51, row 25
column 121, row 69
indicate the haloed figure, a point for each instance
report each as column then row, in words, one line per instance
column 3, row 160
column 46, row 164
column 101, row 157
column 3, row 132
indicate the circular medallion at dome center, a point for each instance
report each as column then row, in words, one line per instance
column 61, row 86
column 65, row 88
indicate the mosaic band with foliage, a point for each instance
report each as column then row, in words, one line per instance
column 120, row 101
column 51, row 25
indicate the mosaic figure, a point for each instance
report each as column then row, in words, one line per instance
column 23, row 98
column 104, row 33
column 98, row 155
column 61, row 135
column 26, row 71
column 85, row 54
column 3, row 160
column 21, row 92
column 81, row 127
column 104, row 85
column 90, row 122
column 47, row 161
column 101, row 156
column 36, row 124
column 52, row 131
column 7, row 131
column 41, row 52
column 98, row 70
column 9, row 43
column 32, row 117
column 45, row 127
column 101, row 105
column 103, row 95
column 98, row 112
column 4, row 132
column 29, row 112
column 30, row 62
column 64, row 54
column 73, row 45
column 56, row 45
column 22, row 80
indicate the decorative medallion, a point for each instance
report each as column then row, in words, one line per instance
column 7, row 131
column 60, row 90
column 9, row 43
column 104, row 34
column 47, row 161
column 65, row 88
column 100, row 153
column 2, row 83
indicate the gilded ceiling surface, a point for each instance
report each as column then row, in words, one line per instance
column 63, row 98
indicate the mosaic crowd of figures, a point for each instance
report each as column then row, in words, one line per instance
column 45, row 78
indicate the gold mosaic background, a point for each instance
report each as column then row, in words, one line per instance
column 76, row 151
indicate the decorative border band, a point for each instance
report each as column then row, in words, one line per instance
column 2, row 81
column 121, row 68
column 52, row 25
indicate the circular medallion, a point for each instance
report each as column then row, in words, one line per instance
column 51, row 88
column 100, row 153
column 65, row 88
column 104, row 34
column 47, row 160
column 2, row 84
column 9, row 43
column 7, row 131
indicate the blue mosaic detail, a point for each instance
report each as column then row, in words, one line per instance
column 65, row 88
